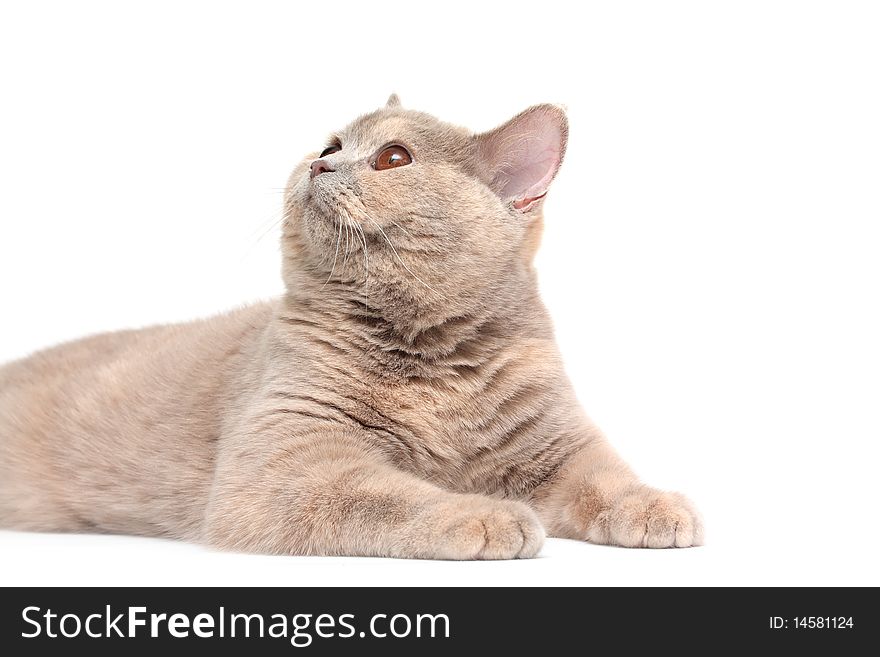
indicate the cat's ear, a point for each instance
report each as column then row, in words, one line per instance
column 393, row 101
column 522, row 156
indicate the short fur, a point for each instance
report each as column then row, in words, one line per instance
column 404, row 398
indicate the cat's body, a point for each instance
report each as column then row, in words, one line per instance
column 404, row 398
column 118, row 432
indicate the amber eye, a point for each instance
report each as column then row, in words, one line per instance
column 335, row 148
column 392, row 157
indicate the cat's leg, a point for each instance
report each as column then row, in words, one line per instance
column 326, row 493
column 596, row 497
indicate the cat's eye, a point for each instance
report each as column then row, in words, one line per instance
column 392, row 157
column 335, row 148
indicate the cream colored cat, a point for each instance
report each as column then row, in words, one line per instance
column 404, row 398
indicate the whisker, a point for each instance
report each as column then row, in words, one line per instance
column 260, row 233
column 335, row 255
column 409, row 234
column 359, row 232
column 399, row 259
column 366, row 267
column 347, row 247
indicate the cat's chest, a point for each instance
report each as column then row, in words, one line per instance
column 489, row 428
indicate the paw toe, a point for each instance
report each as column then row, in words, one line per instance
column 649, row 518
column 502, row 530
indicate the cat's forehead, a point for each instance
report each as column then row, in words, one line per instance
column 414, row 129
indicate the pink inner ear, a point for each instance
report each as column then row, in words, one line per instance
column 526, row 203
column 525, row 154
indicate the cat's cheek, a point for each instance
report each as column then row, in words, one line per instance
column 300, row 190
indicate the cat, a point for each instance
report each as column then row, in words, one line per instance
column 404, row 398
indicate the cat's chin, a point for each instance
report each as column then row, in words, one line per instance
column 323, row 226
column 318, row 206
column 323, row 218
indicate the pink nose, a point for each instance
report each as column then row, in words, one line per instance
column 318, row 167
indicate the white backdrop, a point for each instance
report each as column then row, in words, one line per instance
column 710, row 257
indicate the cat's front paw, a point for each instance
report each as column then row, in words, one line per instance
column 472, row 527
column 644, row 517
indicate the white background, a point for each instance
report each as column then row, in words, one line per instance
column 710, row 257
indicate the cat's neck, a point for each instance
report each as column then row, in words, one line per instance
column 428, row 340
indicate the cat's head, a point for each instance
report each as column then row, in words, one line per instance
column 415, row 215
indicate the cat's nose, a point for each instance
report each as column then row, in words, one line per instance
column 318, row 167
